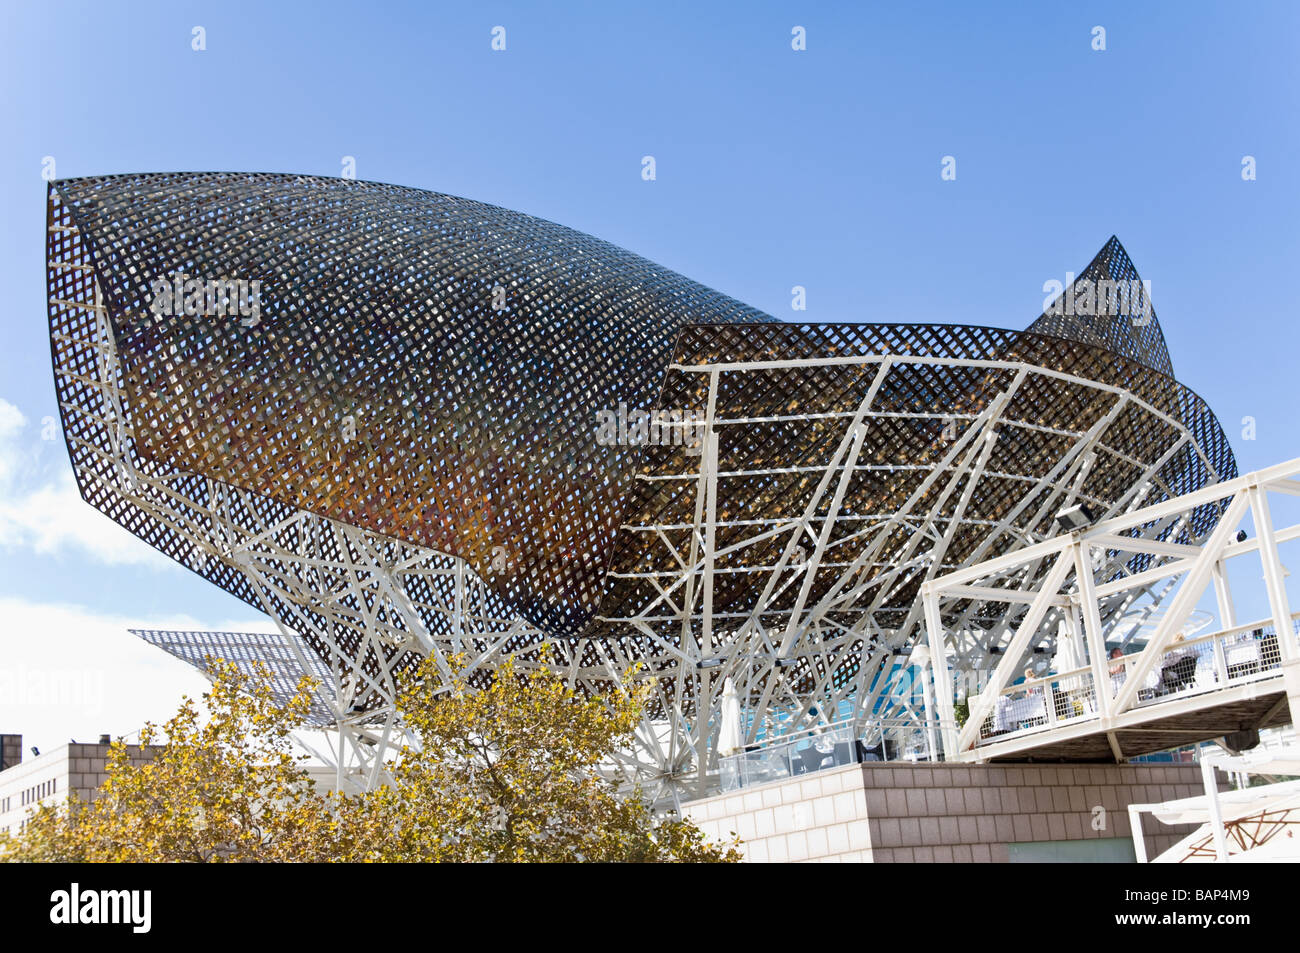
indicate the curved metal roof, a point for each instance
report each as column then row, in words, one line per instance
column 429, row 369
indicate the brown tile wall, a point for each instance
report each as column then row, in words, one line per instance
column 973, row 812
column 941, row 813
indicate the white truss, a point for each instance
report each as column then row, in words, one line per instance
column 1116, row 559
column 370, row 605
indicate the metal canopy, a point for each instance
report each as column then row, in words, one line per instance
column 400, row 457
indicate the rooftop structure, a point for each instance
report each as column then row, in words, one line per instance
column 48, row 777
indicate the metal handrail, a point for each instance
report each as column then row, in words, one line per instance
column 732, row 768
column 1220, row 669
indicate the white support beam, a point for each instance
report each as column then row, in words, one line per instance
column 1185, row 600
column 989, row 594
column 943, row 685
column 1092, row 629
column 1019, row 642
column 1275, row 583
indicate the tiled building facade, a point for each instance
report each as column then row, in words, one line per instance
column 48, row 777
column 949, row 813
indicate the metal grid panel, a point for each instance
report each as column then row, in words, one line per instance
column 246, row 650
column 422, row 366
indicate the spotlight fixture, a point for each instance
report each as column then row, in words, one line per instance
column 1075, row 517
column 709, row 663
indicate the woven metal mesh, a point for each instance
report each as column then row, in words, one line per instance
column 422, row 366
column 428, row 369
column 175, row 512
column 1108, row 305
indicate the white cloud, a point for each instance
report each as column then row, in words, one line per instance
column 72, row 673
column 12, row 423
column 67, row 671
column 46, row 514
column 54, row 519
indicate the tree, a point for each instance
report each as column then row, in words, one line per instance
column 224, row 788
column 511, row 773
column 508, row 772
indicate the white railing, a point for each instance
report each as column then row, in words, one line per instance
column 1067, row 583
column 827, row 746
column 1039, row 703
column 1237, row 654
column 1206, row 663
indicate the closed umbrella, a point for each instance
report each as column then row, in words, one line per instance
column 1066, row 659
column 729, row 738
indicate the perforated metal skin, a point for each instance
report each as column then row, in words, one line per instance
column 915, row 491
column 252, row 653
column 429, row 369
column 424, row 366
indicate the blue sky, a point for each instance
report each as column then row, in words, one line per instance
column 775, row 168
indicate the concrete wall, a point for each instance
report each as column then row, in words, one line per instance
column 72, row 767
column 941, row 813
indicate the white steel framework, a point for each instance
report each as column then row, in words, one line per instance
column 1136, row 681
column 800, row 655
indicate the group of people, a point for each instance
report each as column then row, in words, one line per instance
column 1177, row 670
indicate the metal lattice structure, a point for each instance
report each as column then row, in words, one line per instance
column 398, row 455
column 1108, row 305
column 421, row 366
column 281, row 659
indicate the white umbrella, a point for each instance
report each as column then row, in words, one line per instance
column 1281, row 848
column 1066, row 658
column 729, row 739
